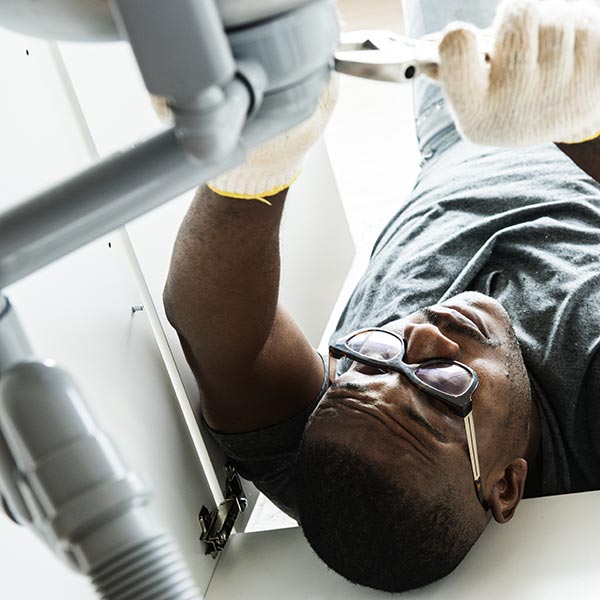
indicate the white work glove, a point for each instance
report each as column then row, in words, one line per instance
column 276, row 164
column 540, row 83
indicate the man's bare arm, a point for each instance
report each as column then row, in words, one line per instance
column 585, row 155
column 253, row 364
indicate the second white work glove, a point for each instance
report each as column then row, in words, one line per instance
column 275, row 165
column 540, row 83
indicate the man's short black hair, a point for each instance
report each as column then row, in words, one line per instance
column 368, row 527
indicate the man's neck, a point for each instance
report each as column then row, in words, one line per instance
column 533, row 454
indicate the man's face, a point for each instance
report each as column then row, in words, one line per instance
column 403, row 428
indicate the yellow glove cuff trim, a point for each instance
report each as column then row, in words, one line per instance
column 260, row 197
column 589, row 139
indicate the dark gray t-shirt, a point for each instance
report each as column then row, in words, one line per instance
column 522, row 226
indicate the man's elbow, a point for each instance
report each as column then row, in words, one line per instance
column 171, row 298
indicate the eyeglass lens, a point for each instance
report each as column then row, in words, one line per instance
column 376, row 344
column 447, row 377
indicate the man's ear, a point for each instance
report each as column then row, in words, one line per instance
column 507, row 490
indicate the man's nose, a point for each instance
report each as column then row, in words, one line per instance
column 425, row 341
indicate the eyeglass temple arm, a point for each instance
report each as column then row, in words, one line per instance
column 474, row 455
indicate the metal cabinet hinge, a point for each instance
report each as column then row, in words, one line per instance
column 216, row 526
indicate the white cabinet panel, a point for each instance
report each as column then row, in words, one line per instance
column 316, row 246
column 111, row 93
column 549, row 551
column 30, row 570
column 78, row 312
column 40, row 143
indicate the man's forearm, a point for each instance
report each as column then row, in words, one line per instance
column 253, row 364
column 223, row 284
column 586, row 156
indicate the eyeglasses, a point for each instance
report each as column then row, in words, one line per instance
column 451, row 382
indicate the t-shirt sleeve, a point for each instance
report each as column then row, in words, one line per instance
column 267, row 457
